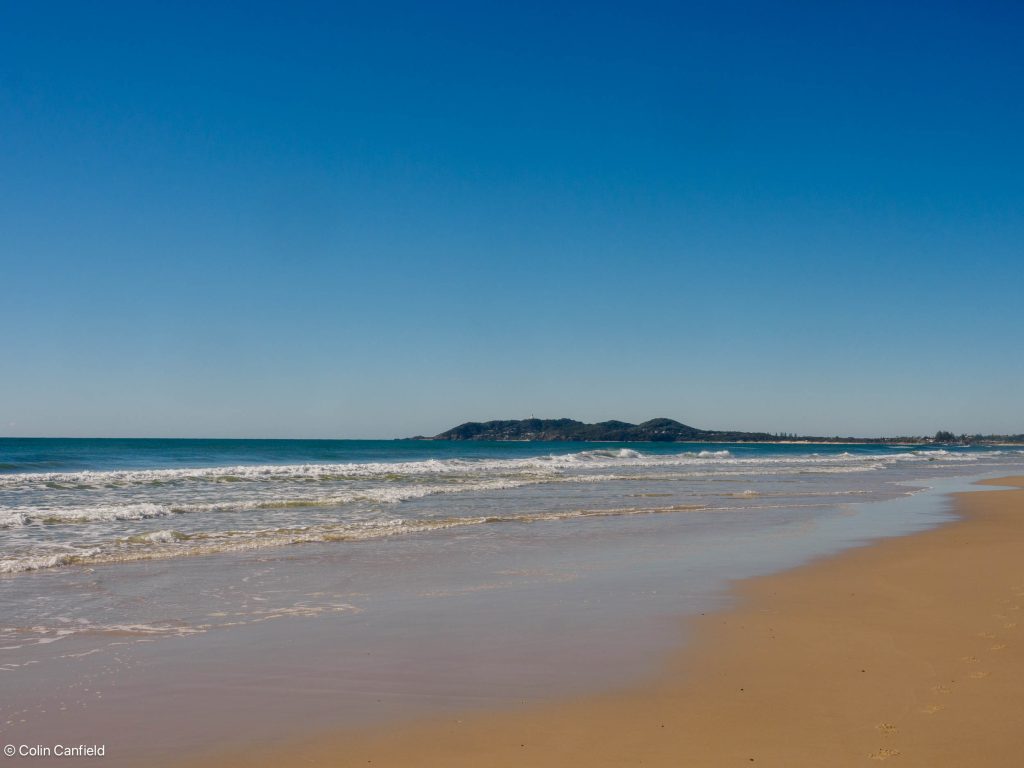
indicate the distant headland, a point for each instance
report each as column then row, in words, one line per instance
column 671, row 431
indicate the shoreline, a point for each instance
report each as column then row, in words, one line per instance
column 907, row 649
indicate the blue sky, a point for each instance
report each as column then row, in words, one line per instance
column 381, row 219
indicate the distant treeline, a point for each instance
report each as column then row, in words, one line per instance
column 943, row 436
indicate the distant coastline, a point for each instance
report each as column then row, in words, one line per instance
column 664, row 430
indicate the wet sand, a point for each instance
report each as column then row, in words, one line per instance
column 910, row 650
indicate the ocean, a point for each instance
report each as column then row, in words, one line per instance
column 393, row 575
column 90, row 502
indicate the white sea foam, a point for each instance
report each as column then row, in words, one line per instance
column 182, row 491
column 60, row 629
column 55, row 519
column 552, row 463
column 599, row 454
column 36, row 562
column 165, row 536
column 170, row 543
column 166, row 543
column 14, row 518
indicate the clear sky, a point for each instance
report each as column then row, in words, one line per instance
column 381, row 219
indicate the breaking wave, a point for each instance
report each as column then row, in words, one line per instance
column 550, row 464
column 52, row 519
column 168, row 542
column 15, row 518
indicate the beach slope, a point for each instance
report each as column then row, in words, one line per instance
column 908, row 651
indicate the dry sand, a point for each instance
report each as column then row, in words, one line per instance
column 909, row 651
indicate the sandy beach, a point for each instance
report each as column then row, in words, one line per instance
column 496, row 384
column 909, row 650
